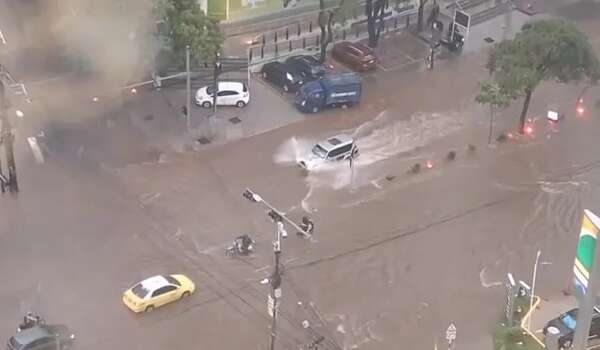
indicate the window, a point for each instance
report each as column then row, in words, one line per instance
column 226, row 93
column 42, row 344
column 140, row 291
column 172, row 280
column 340, row 151
column 163, row 290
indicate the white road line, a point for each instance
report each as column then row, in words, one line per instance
column 35, row 148
column 376, row 184
column 290, row 260
column 262, row 268
column 2, row 38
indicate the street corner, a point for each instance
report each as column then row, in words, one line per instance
column 399, row 50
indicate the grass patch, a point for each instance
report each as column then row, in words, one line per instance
column 514, row 338
column 262, row 7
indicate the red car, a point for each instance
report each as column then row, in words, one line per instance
column 357, row 56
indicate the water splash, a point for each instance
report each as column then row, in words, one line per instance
column 292, row 150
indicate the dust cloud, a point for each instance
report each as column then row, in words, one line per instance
column 111, row 38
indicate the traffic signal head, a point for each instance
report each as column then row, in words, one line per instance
column 275, row 216
column 251, row 196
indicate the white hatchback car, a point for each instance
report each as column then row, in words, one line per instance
column 230, row 93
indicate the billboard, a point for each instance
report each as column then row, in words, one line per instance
column 586, row 251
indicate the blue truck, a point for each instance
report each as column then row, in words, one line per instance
column 340, row 89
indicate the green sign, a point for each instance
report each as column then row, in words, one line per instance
column 586, row 251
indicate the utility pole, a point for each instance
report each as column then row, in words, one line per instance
column 7, row 138
column 188, row 104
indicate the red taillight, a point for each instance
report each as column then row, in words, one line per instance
column 528, row 130
column 429, row 164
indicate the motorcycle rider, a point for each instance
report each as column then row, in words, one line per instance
column 307, row 225
column 243, row 244
column 29, row 321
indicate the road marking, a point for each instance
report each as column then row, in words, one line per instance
column 400, row 66
column 376, row 184
column 35, row 149
column 262, row 268
column 483, row 281
column 2, row 38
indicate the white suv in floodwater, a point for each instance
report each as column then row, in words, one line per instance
column 230, row 93
column 336, row 148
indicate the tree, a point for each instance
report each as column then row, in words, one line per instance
column 326, row 17
column 375, row 11
column 422, row 4
column 491, row 94
column 542, row 51
column 184, row 23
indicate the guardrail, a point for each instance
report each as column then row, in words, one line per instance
column 262, row 53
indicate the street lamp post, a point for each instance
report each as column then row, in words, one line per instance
column 535, row 267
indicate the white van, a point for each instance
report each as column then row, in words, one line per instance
column 230, row 93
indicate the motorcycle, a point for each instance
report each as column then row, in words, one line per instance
column 242, row 245
column 30, row 321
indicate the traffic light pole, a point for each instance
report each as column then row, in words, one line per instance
column 275, row 285
column 216, row 72
column 275, row 279
column 188, row 97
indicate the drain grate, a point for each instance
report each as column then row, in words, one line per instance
column 203, row 140
column 235, row 120
column 488, row 40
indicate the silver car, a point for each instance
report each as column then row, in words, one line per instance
column 336, row 148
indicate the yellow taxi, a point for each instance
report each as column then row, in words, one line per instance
column 157, row 291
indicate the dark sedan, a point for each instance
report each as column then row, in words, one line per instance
column 564, row 326
column 357, row 56
column 282, row 75
column 308, row 66
column 45, row 337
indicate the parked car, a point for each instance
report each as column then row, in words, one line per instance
column 565, row 327
column 342, row 89
column 282, row 75
column 230, row 93
column 308, row 66
column 157, row 291
column 42, row 337
column 336, row 148
column 357, row 56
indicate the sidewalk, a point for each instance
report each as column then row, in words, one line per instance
column 159, row 117
column 548, row 309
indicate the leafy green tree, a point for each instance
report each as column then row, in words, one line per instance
column 542, row 51
column 184, row 23
column 492, row 95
